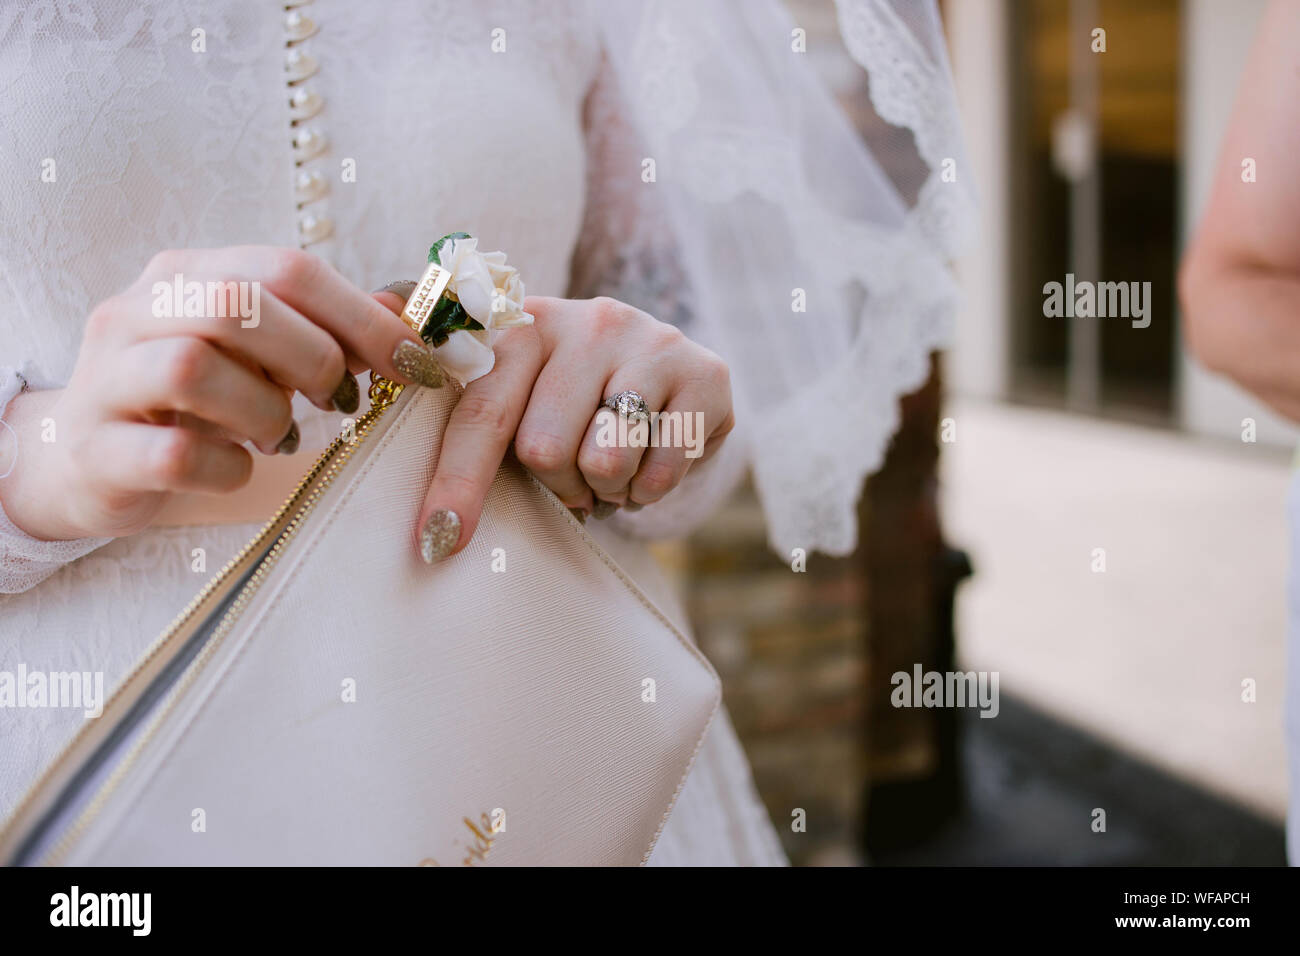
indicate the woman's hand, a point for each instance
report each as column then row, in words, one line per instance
column 159, row 403
column 544, row 392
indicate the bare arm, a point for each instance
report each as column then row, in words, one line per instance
column 1240, row 280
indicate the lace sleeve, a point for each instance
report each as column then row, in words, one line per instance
column 626, row 250
column 26, row 561
column 815, row 259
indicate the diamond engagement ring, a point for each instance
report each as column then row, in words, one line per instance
column 628, row 404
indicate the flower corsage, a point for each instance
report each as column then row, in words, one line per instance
column 462, row 304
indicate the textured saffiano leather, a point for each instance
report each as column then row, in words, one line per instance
column 515, row 697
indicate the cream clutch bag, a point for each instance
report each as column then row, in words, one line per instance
column 328, row 698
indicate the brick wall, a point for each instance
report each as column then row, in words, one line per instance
column 807, row 689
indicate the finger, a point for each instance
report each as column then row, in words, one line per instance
column 137, row 457
column 477, row 435
column 613, row 445
column 362, row 326
column 413, row 359
column 359, row 325
column 194, row 377
column 567, row 392
column 393, row 296
column 686, row 432
column 292, row 350
column 696, row 418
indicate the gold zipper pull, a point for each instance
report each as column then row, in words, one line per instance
column 383, row 391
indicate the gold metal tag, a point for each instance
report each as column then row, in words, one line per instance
column 419, row 307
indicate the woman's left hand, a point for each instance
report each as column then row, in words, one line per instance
column 544, row 392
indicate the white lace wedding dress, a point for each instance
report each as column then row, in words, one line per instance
column 131, row 127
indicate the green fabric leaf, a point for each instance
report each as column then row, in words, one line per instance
column 436, row 249
column 448, row 316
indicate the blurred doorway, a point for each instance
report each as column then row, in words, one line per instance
column 1093, row 118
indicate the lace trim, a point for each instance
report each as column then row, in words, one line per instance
column 911, row 90
column 26, row 561
column 825, row 436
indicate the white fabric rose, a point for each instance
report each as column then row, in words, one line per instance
column 493, row 295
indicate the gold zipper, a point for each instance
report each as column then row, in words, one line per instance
column 383, row 393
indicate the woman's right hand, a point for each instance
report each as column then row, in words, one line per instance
column 160, row 403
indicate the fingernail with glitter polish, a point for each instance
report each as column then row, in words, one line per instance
column 603, row 509
column 632, row 506
column 402, row 288
column 416, row 363
column 439, row 535
column 289, row 443
column 347, row 397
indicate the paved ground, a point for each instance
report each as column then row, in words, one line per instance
column 1031, row 789
column 1148, row 656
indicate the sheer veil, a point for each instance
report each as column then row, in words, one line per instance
column 816, row 262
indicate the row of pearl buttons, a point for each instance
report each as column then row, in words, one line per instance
column 309, row 143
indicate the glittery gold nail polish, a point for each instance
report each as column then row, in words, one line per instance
column 347, row 397
column 439, row 535
column 603, row 509
column 289, row 443
column 417, row 364
column 402, row 288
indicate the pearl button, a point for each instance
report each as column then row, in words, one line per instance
column 308, row 143
column 299, row 65
column 304, row 104
column 313, row 228
column 309, row 186
column 297, row 26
